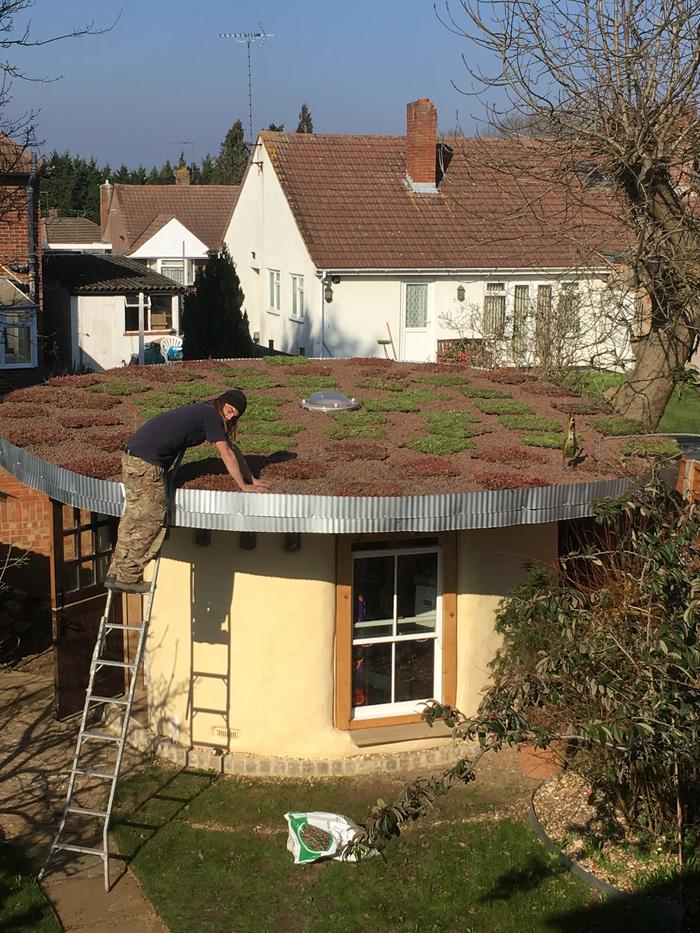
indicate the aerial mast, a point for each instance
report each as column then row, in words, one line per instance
column 249, row 38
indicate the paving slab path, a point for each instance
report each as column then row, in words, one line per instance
column 36, row 753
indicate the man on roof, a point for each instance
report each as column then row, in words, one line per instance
column 147, row 457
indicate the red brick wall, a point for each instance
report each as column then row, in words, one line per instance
column 421, row 139
column 25, row 517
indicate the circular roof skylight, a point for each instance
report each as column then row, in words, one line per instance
column 329, row 401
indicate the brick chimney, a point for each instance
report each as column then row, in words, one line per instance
column 105, row 202
column 421, row 143
column 182, row 176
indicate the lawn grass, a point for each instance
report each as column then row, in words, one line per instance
column 211, row 854
column 22, row 904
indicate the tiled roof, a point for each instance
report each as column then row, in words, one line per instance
column 14, row 158
column 204, row 209
column 69, row 230
column 92, row 274
column 351, row 201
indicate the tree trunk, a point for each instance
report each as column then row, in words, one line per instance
column 644, row 395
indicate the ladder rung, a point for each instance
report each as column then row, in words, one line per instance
column 85, row 849
column 104, row 662
column 205, row 709
column 125, row 628
column 105, row 736
column 85, row 812
column 208, row 674
column 94, row 698
column 82, row 772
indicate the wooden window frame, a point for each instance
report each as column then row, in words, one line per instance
column 447, row 542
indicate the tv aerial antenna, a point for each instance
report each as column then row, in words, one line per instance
column 249, row 38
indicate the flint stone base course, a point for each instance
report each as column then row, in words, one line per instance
column 206, row 759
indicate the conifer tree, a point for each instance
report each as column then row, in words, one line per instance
column 213, row 322
column 233, row 157
column 206, row 171
column 305, row 124
column 167, row 174
column 276, row 128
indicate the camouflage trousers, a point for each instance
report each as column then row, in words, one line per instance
column 141, row 529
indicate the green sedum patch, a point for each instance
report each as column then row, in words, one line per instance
column 259, row 444
column 454, row 423
column 120, row 387
column 654, row 448
column 203, row 452
column 349, row 424
column 195, row 391
column 440, row 444
column 617, row 427
column 555, row 441
column 504, row 406
column 531, row 423
column 443, row 379
column 391, row 385
column 286, row 360
column 248, row 379
column 262, row 408
column 475, row 392
column 310, row 384
column 276, row 428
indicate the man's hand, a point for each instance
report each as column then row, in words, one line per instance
column 260, row 485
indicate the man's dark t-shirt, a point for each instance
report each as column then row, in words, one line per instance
column 161, row 439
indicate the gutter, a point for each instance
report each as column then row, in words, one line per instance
column 463, row 273
column 31, row 234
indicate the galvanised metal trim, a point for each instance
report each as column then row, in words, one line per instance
column 280, row 512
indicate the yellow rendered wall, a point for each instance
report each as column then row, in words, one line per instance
column 258, row 629
column 490, row 562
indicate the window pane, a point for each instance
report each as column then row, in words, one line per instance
column 521, row 308
column 70, row 577
column 161, row 312
column 87, row 543
column 102, row 567
column 371, row 676
column 415, row 667
column 173, row 269
column 373, row 597
column 18, row 345
column 87, row 574
column 417, row 593
column 70, row 551
column 568, row 310
column 131, row 318
column 494, row 315
column 104, row 537
column 70, row 516
column 416, row 306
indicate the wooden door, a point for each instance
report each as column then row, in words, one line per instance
column 82, row 546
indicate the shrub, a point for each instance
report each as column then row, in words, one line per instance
column 509, row 455
column 508, row 480
column 431, row 466
column 476, row 392
column 453, row 422
column 120, row 387
column 502, row 407
column 440, row 444
column 653, row 448
column 357, row 450
column 296, row 469
column 531, row 423
column 555, row 441
column 616, row 427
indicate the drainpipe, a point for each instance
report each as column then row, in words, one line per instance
column 142, row 339
column 322, row 285
column 33, row 247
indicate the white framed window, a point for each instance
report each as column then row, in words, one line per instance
column 157, row 313
column 297, row 296
column 175, row 269
column 18, row 343
column 494, row 318
column 416, row 311
column 274, row 290
column 521, row 313
column 396, row 630
column 568, row 310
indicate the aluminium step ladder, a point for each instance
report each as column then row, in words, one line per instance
column 88, row 735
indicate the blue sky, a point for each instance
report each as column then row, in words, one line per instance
column 162, row 75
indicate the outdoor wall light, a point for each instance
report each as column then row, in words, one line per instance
column 460, row 293
column 248, row 540
column 292, row 541
column 335, row 279
column 328, row 292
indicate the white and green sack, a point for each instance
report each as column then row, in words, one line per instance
column 319, row 835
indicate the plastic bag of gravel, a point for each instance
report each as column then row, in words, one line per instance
column 319, row 835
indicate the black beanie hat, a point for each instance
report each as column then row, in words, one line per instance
column 236, row 398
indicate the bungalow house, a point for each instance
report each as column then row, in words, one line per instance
column 397, row 246
column 20, row 267
column 169, row 228
column 93, row 304
column 298, row 631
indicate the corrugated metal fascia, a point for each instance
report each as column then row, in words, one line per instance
column 279, row 512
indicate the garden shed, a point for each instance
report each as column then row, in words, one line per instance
column 309, row 623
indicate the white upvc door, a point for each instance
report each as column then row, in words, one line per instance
column 417, row 343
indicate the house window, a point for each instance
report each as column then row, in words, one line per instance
column 274, row 298
column 568, row 310
column 298, row 296
column 18, row 344
column 396, row 630
column 543, row 322
column 416, row 306
column 521, row 308
column 157, row 313
column 174, row 269
column 495, row 310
